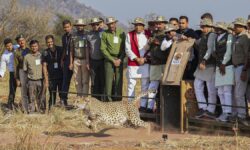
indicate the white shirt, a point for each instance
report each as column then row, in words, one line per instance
column 142, row 41
column 210, row 45
column 137, row 71
column 166, row 44
column 7, row 60
column 220, row 36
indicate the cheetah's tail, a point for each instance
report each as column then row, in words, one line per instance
column 143, row 94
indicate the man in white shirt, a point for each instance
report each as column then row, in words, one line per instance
column 224, row 75
column 138, row 68
column 205, row 71
column 7, row 61
column 171, row 36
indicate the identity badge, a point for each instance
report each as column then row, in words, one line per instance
column 116, row 39
column 38, row 62
column 55, row 65
column 81, row 43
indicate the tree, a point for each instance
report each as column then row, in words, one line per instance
column 58, row 27
column 32, row 22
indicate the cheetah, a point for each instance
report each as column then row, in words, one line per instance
column 117, row 114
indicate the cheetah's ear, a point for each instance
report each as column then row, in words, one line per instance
column 77, row 101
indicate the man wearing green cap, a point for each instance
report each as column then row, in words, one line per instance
column 205, row 71
column 113, row 49
column 80, row 57
column 138, row 68
column 224, row 75
column 21, row 75
column 158, row 59
column 240, row 59
column 96, row 58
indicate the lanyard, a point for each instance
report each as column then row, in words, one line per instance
column 67, row 42
column 53, row 58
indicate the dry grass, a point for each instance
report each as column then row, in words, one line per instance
column 36, row 131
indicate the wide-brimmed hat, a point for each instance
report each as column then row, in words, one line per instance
column 80, row 22
column 206, row 22
column 138, row 20
column 230, row 26
column 110, row 20
column 240, row 21
column 19, row 36
column 221, row 25
column 160, row 19
column 170, row 27
column 95, row 20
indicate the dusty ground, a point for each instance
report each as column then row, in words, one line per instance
column 66, row 130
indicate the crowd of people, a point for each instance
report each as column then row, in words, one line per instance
column 219, row 59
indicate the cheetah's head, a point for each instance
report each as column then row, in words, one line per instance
column 83, row 104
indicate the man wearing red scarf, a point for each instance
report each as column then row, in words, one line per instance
column 138, row 68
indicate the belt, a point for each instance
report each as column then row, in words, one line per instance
column 79, row 57
column 97, row 59
column 113, row 55
column 241, row 64
column 34, row 80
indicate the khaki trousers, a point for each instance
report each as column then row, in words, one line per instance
column 81, row 76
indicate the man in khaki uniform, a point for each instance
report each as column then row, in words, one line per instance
column 113, row 49
column 80, row 54
column 21, row 76
column 240, row 59
column 33, row 66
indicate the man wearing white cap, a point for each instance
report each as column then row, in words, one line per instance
column 138, row 68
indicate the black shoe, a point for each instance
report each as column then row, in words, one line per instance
column 149, row 110
column 142, row 109
column 232, row 118
column 63, row 103
column 243, row 121
column 209, row 115
column 200, row 114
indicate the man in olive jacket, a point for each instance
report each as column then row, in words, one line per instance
column 113, row 49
